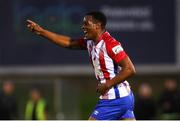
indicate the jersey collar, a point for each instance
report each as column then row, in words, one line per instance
column 103, row 36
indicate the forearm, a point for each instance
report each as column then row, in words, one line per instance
column 127, row 70
column 61, row 40
column 120, row 77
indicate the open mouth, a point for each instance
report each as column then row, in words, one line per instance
column 85, row 33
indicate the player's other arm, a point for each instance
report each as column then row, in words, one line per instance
column 61, row 40
column 118, row 55
column 127, row 70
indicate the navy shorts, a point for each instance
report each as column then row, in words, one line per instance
column 114, row 109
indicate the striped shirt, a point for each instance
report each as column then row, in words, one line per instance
column 104, row 56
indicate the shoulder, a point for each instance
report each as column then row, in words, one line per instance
column 114, row 48
column 112, row 44
column 109, row 40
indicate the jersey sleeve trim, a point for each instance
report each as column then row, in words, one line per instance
column 115, row 50
column 117, row 58
column 82, row 43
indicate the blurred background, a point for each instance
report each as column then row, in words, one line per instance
column 32, row 68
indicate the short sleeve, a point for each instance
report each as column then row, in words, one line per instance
column 115, row 51
column 82, row 43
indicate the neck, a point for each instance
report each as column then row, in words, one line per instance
column 99, row 35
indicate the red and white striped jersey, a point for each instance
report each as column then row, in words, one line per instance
column 104, row 55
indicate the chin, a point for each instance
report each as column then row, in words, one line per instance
column 88, row 37
column 85, row 37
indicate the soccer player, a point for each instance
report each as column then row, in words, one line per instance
column 111, row 64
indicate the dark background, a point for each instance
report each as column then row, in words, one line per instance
column 151, row 44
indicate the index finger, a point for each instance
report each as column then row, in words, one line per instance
column 31, row 22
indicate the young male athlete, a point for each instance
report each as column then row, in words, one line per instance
column 111, row 64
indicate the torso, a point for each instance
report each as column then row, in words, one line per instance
column 104, row 56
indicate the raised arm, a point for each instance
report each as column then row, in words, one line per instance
column 61, row 40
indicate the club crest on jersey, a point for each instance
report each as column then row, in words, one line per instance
column 117, row 49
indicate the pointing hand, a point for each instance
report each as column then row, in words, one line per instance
column 34, row 27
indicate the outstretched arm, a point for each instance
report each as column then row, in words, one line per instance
column 61, row 40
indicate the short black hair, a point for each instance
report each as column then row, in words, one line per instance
column 98, row 16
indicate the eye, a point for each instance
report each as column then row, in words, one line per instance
column 86, row 23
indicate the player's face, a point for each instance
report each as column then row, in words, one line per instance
column 89, row 27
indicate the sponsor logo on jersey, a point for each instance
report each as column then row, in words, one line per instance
column 117, row 49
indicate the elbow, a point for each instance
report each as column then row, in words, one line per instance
column 67, row 44
column 133, row 71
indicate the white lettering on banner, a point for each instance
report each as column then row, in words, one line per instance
column 129, row 18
